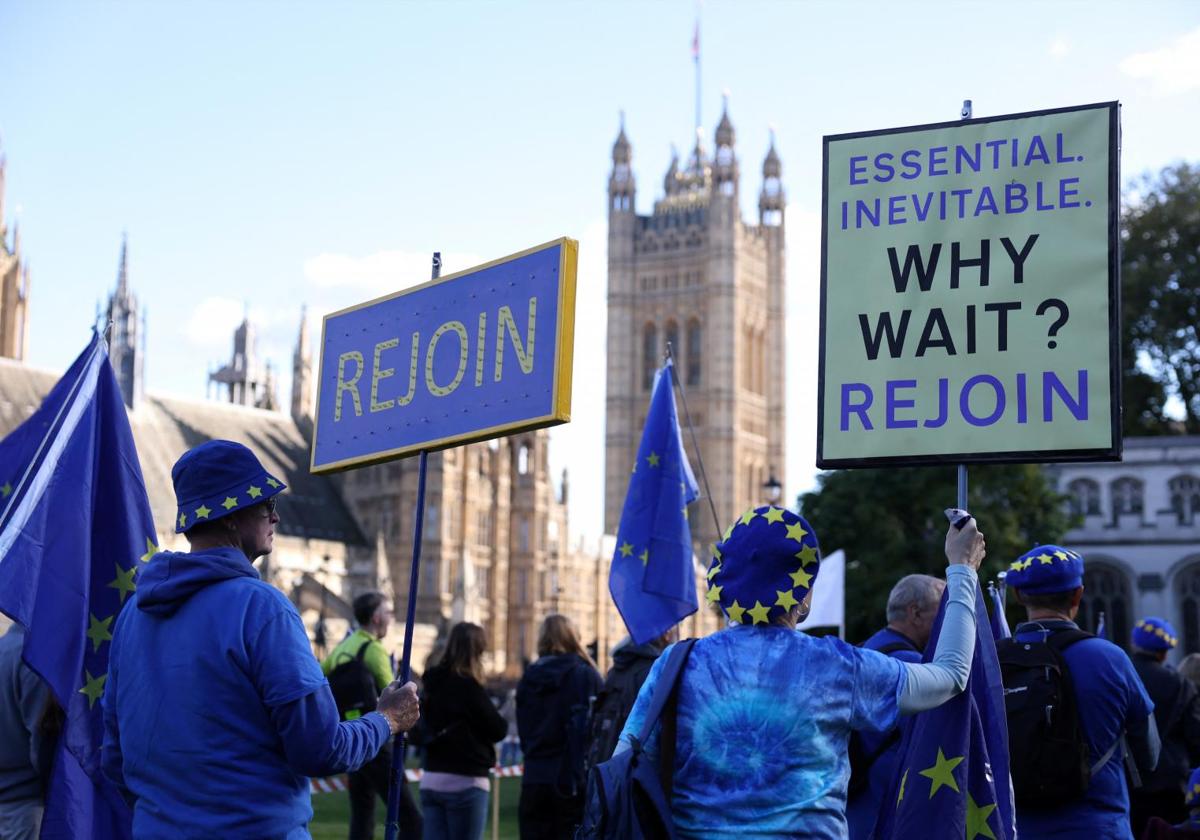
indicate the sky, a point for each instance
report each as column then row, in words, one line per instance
column 265, row 155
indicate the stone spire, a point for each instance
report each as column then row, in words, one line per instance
column 302, row 377
column 124, row 346
column 771, row 200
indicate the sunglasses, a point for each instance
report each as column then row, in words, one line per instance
column 268, row 506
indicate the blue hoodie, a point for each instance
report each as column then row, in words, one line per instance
column 215, row 709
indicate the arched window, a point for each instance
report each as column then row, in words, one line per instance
column 694, row 337
column 672, row 338
column 524, row 459
column 649, row 355
column 1085, row 497
column 1127, row 496
column 1187, row 591
column 1105, row 590
column 1185, row 497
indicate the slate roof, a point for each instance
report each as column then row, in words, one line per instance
column 165, row 427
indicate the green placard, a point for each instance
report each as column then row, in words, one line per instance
column 969, row 306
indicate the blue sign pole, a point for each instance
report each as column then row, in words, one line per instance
column 400, row 744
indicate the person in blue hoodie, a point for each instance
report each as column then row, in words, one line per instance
column 215, row 709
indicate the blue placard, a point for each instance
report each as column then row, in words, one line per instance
column 473, row 355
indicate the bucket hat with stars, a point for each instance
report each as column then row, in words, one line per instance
column 764, row 566
column 1046, row 569
column 216, row 478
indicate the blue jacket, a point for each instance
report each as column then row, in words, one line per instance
column 215, row 709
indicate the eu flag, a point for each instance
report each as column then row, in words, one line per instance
column 999, row 619
column 953, row 778
column 653, row 577
column 75, row 527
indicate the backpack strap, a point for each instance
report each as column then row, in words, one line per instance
column 664, row 689
column 1060, row 640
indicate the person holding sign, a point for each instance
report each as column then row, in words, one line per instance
column 215, row 709
column 764, row 714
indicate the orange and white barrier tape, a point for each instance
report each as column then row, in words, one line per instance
column 413, row 774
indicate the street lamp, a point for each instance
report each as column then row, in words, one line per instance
column 772, row 489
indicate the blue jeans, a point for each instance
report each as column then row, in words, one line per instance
column 454, row 816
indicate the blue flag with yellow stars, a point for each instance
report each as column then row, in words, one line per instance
column 75, row 527
column 653, row 575
column 952, row 776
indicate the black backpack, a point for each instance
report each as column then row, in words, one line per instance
column 860, row 758
column 1048, row 753
column 353, row 686
column 629, row 797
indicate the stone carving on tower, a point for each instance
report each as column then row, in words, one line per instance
column 694, row 274
column 14, row 287
column 126, row 341
column 248, row 381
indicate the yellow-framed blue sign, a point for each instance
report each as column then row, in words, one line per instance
column 466, row 357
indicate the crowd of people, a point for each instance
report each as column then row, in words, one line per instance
column 213, row 691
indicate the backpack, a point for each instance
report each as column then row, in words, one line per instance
column 611, row 708
column 1048, row 752
column 353, row 686
column 629, row 796
column 860, row 758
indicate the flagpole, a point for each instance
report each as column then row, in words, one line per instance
column 695, row 443
column 966, row 113
column 400, row 742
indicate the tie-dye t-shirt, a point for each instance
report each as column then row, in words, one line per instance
column 765, row 714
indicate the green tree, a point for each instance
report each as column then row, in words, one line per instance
column 1160, row 298
column 890, row 524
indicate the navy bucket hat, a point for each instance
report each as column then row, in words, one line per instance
column 215, row 479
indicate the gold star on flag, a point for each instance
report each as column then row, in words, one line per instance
column 230, row 502
column 785, row 599
column 151, row 550
column 728, row 531
column 644, row 556
column 774, row 514
column 6, row 490
column 977, row 817
column 759, row 613
column 254, row 492
column 685, row 513
column 93, row 687
column 903, row 780
column 98, row 631
column 747, row 516
column 272, row 483
column 714, row 594
column 942, row 773
column 796, row 532
column 735, row 612
column 712, row 573
column 626, row 549
column 123, row 582
column 203, row 511
column 1046, row 559
column 182, row 519
column 807, row 556
column 716, row 551
column 801, row 578
column 652, row 459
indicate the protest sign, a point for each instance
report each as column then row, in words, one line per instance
column 476, row 354
column 969, row 292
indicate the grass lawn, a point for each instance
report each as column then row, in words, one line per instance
column 331, row 813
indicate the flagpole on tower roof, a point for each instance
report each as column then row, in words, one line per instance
column 696, row 61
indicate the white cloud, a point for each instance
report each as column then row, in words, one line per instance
column 381, row 272
column 212, row 323
column 1059, row 48
column 1171, row 69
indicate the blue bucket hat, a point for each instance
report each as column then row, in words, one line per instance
column 1192, row 797
column 216, row 478
column 1154, row 634
column 1046, row 569
column 764, row 566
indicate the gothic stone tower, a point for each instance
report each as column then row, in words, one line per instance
column 14, row 288
column 694, row 274
column 125, row 343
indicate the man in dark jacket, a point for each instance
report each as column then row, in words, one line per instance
column 1177, row 713
column 631, row 664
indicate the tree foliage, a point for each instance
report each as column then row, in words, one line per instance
column 1160, row 296
column 890, row 524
